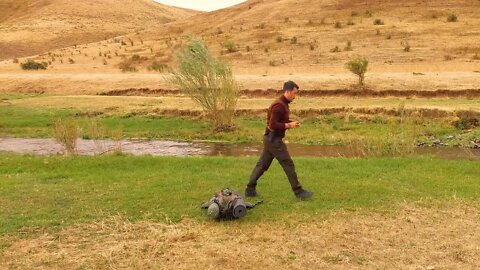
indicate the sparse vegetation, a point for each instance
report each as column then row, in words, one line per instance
column 335, row 49
column 350, row 22
column 447, row 57
column 230, row 46
column 126, row 66
column 130, row 64
column 207, row 81
column 467, row 120
column 71, row 61
column 452, row 17
column 378, row 22
column 338, row 25
column 476, row 57
column 358, row 66
column 405, row 45
column 66, row 132
column 15, row 60
column 312, row 47
column 349, row 46
column 279, row 39
column 33, row 65
column 157, row 66
column 294, row 40
column 354, row 13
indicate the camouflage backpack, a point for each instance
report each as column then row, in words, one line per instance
column 227, row 204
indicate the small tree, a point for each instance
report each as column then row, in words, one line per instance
column 358, row 66
column 208, row 81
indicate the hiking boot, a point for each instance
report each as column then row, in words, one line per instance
column 303, row 194
column 251, row 192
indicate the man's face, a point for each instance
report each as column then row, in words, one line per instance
column 291, row 94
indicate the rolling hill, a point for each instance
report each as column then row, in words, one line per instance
column 29, row 27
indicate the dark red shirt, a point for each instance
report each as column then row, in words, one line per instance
column 278, row 115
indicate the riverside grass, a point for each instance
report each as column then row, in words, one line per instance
column 341, row 129
column 40, row 193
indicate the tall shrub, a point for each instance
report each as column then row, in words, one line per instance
column 208, row 81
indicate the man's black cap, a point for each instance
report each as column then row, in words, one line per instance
column 289, row 86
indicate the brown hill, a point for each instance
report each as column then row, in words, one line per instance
column 309, row 33
column 410, row 45
column 29, row 27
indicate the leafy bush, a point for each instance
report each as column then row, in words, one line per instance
column 207, row 81
column 378, row 22
column 32, row 65
column 358, row 66
column 230, row 46
column 452, row 18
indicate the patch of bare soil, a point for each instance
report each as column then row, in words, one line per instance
column 413, row 237
column 469, row 93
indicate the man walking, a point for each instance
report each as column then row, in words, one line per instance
column 273, row 146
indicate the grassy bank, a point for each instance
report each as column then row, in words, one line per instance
column 334, row 129
column 39, row 193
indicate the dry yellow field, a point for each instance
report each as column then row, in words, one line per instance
column 152, row 104
column 411, row 237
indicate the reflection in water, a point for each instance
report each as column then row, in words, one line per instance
column 173, row 148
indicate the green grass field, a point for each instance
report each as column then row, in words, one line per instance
column 48, row 193
column 338, row 129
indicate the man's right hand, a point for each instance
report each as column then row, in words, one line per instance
column 294, row 124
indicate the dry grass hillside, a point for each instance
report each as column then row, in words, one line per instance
column 411, row 44
column 29, row 27
column 325, row 33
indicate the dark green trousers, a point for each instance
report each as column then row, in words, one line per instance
column 275, row 148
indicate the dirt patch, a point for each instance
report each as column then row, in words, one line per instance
column 413, row 237
column 469, row 93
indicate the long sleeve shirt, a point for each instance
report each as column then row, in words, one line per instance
column 278, row 115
